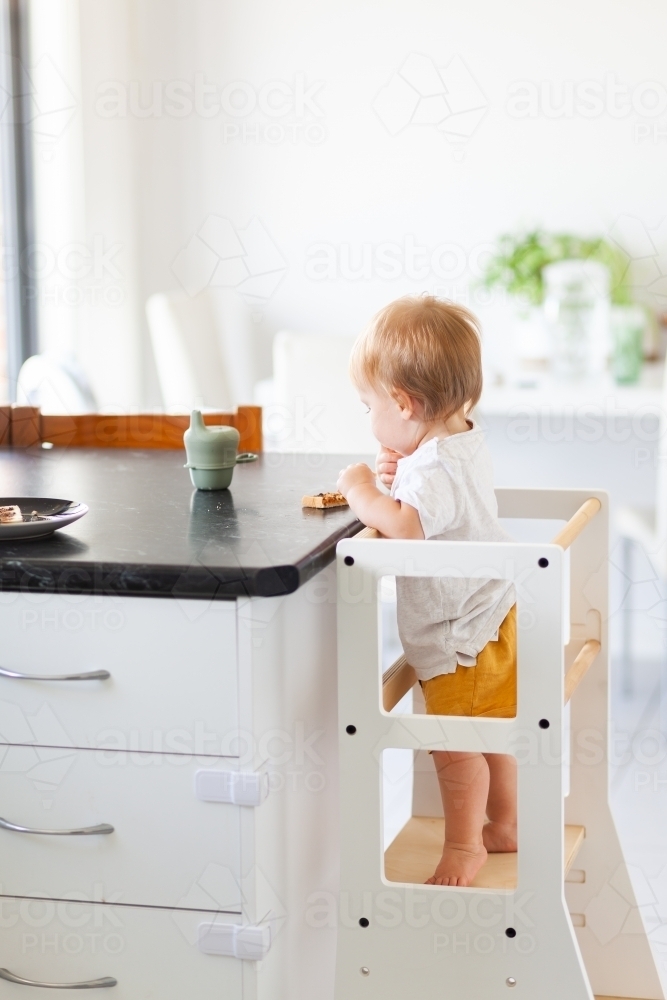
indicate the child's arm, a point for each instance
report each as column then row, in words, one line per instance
column 390, row 517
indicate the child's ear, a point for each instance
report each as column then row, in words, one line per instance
column 406, row 404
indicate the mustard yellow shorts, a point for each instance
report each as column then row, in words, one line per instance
column 487, row 689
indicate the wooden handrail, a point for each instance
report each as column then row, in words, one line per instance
column 577, row 523
column 565, row 536
column 400, row 677
column 396, row 682
column 580, row 665
column 369, row 533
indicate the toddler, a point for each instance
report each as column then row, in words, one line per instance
column 418, row 370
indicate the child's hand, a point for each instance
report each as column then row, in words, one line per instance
column 386, row 465
column 354, row 475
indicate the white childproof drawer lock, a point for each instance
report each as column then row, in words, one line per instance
column 240, row 788
column 235, row 941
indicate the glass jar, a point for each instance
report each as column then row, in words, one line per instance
column 576, row 310
column 628, row 327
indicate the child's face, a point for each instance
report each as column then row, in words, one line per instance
column 391, row 422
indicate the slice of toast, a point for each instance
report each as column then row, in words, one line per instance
column 8, row 514
column 324, row 500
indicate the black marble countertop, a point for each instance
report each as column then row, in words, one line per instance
column 149, row 533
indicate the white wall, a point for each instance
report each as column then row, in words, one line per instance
column 362, row 185
column 153, row 179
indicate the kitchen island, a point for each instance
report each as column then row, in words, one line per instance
column 168, row 730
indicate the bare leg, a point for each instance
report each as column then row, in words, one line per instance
column 499, row 833
column 464, row 786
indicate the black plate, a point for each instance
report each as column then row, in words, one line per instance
column 41, row 516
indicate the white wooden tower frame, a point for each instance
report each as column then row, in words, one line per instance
column 544, row 939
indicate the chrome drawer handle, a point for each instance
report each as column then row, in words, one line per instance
column 83, row 831
column 92, row 675
column 90, row 984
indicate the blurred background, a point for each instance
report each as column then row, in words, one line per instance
column 204, row 202
column 314, row 163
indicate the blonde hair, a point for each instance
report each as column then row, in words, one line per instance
column 426, row 347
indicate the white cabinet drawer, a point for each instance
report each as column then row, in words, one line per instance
column 152, row 954
column 167, row 848
column 173, row 683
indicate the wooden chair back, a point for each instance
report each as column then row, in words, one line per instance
column 27, row 426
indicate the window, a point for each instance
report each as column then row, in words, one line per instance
column 18, row 333
column 4, row 388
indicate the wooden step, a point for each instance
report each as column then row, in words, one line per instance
column 415, row 853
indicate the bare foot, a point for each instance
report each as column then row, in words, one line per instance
column 499, row 838
column 458, row 865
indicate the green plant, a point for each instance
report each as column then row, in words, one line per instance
column 519, row 261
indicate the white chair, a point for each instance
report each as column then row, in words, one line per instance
column 646, row 527
column 204, row 349
column 55, row 383
column 315, row 406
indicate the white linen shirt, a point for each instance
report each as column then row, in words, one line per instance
column 446, row 620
